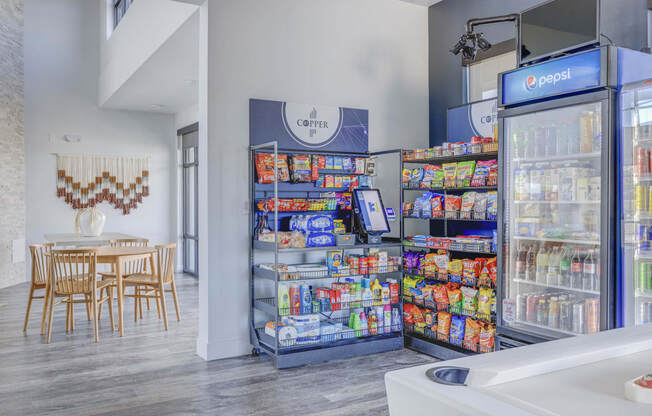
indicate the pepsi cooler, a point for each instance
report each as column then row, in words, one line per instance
column 559, row 153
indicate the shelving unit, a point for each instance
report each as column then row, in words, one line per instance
column 425, row 340
column 265, row 280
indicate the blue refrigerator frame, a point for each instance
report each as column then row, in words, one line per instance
column 600, row 79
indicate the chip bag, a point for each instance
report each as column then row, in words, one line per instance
column 443, row 323
column 405, row 177
column 470, row 271
column 453, row 203
column 484, row 301
column 454, row 296
column 265, row 168
column 481, row 172
column 300, row 168
column 437, row 202
column 492, row 177
column 492, row 205
column 465, row 173
column 440, row 295
column 472, row 332
column 458, row 324
column 438, row 178
column 450, row 170
column 487, row 335
column 469, row 300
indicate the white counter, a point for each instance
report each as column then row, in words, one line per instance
column 573, row 376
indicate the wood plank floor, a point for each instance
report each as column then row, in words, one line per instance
column 151, row 372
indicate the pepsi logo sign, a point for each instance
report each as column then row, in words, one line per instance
column 531, row 82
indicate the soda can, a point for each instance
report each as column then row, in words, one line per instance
column 531, row 312
column 565, row 316
column 521, row 308
column 644, row 312
column 553, row 312
column 642, row 161
column 579, row 326
column 641, row 198
column 592, row 316
column 642, row 232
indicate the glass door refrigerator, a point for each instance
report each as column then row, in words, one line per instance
column 635, row 286
column 564, row 269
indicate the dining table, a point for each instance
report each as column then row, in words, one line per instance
column 118, row 256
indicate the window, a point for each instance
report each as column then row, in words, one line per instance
column 120, row 8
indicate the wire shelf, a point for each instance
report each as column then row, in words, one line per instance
column 447, row 277
column 456, row 310
column 320, row 306
column 381, row 273
column 428, row 333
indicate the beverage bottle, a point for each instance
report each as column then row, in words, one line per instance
column 553, row 267
column 597, row 131
column 573, row 138
column 576, row 270
column 586, row 132
column 543, row 259
column 540, row 142
column 519, row 143
column 542, row 312
column 596, row 282
column 530, row 263
column 564, row 267
column 551, row 140
column 521, row 259
column 562, row 140
column 588, row 270
column 529, row 143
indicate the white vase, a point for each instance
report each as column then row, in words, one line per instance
column 90, row 222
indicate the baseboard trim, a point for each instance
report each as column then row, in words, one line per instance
column 228, row 348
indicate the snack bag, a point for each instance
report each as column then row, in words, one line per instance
column 454, row 296
column 443, row 323
column 481, row 172
column 453, row 203
column 438, row 178
column 405, row 177
column 450, row 170
column 300, row 168
column 470, row 271
column 458, row 324
column 465, row 173
column 408, row 208
column 426, row 206
column 418, row 207
column 489, row 272
column 416, row 177
column 492, row 205
column 265, row 168
column 472, row 332
column 437, row 203
column 455, row 268
column 429, row 318
column 315, row 168
column 480, row 206
column 469, row 300
column 429, row 175
column 487, row 334
column 440, row 296
column 468, row 201
column 492, row 177
column 484, row 301
column 441, row 263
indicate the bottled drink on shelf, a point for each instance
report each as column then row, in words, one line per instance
column 578, row 323
column 529, row 143
column 531, row 311
column 562, row 139
column 551, row 140
column 596, row 282
column 520, row 144
column 531, row 263
column 597, row 131
column 565, row 268
column 588, row 271
column 573, row 138
column 521, row 259
column 521, row 307
column 576, row 269
column 540, row 142
column 553, row 266
column 543, row 259
column 586, row 132
column 592, row 308
column 565, row 315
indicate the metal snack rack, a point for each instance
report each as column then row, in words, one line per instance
column 264, row 304
column 424, row 339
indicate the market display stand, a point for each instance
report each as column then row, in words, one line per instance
column 429, row 342
column 264, row 306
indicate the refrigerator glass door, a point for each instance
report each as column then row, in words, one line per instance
column 636, row 212
column 552, row 206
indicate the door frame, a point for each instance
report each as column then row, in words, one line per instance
column 185, row 235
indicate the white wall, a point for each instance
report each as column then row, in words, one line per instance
column 61, row 75
column 186, row 117
column 369, row 54
column 125, row 49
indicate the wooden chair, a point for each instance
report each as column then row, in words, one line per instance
column 39, row 254
column 129, row 268
column 156, row 282
column 74, row 272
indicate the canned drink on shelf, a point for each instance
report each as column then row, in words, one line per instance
column 579, row 326
column 642, row 161
column 565, row 315
column 521, row 307
column 542, row 311
column 531, row 312
column 554, row 312
column 641, row 198
column 592, row 316
column 645, row 313
column 644, row 276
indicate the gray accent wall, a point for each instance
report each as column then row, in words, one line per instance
column 624, row 21
column 12, row 142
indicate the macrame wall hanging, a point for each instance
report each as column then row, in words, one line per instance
column 87, row 181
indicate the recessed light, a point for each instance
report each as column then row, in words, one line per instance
column 157, row 106
column 190, row 81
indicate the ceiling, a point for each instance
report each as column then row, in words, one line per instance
column 167, row 81
column 426, row 3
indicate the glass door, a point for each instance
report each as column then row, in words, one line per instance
column 636, row 211
column 190, row 142
column 553, row 220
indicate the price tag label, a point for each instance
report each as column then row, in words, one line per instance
column 509, row 310
column 391, row 216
